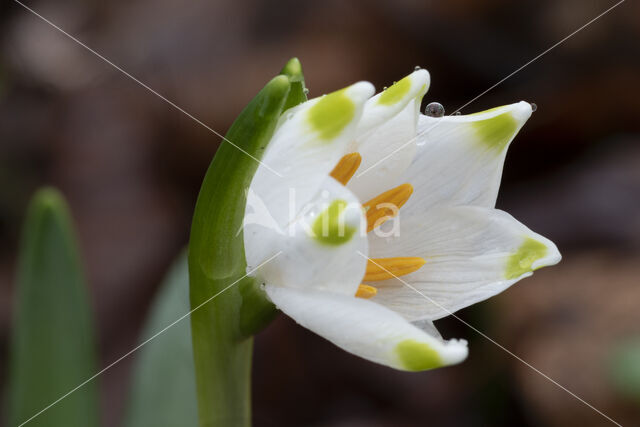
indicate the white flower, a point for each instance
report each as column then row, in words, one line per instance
column 450, row 244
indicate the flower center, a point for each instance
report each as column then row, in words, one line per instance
column 378, row 210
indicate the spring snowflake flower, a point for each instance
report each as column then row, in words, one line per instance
column 355, row 268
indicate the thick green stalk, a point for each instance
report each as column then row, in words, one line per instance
column 53, row 344
column 229, row 307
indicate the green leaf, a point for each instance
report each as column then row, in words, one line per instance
column 625, row 368
column 219, row 294
column 164, row 384
column 52, row 338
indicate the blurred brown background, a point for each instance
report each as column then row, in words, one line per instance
column 131, row 166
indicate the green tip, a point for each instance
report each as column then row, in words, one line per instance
column 331, row 114
column 293, row 70
column 278, row 83
column 522, row 261
column 497, row 132
column 49, row 202
column 396, row 92
column 417, row 356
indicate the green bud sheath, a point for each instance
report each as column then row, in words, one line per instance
column 298, row 92
column 226, row 314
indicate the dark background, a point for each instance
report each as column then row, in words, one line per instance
column 131, row 166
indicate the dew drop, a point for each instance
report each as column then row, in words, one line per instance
column 305, row 91
column 384, row 88
column 534, row 107
column 457, row 113
column 434, row 109
column 417, row 67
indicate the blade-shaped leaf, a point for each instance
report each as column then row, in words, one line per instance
column 625, row 368
column 164, row 385
column 53, row 345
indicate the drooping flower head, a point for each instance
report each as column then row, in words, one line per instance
column 382, row 220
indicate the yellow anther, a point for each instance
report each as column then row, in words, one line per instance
column 366, row 291
column 386, row 205
column 346, row 167
column 387, row 268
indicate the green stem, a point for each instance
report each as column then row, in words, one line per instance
column 230, row 307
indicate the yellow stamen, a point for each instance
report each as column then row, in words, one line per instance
column 346, row 167
column 386, row 205
column 366, row 291
column 387, row 268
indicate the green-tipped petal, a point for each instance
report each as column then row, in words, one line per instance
column 386, row 104
column 331, row 114
column 460, row 158
column 472, row 254
column 308, row 143
column 387, row 135
column 527, row 258
column 367, row 329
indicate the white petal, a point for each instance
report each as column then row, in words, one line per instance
column 390, row 102
column 386, row 136
column 320, row 249
column 308, row 142
column 460, row 158
column 366, row 329
column 472, row 253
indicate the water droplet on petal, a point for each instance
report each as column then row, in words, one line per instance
column 384, row 88
column 457, row 113
column 434, row 109
column 534, row 107
column 417, row 67
column 305, row 91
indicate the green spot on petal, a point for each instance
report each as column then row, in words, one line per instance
column 497, row 131
column 528, row 253
column 485, row 111
column 329, row 227
column 331, row 114
column 417, row 356
column 396, row 92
